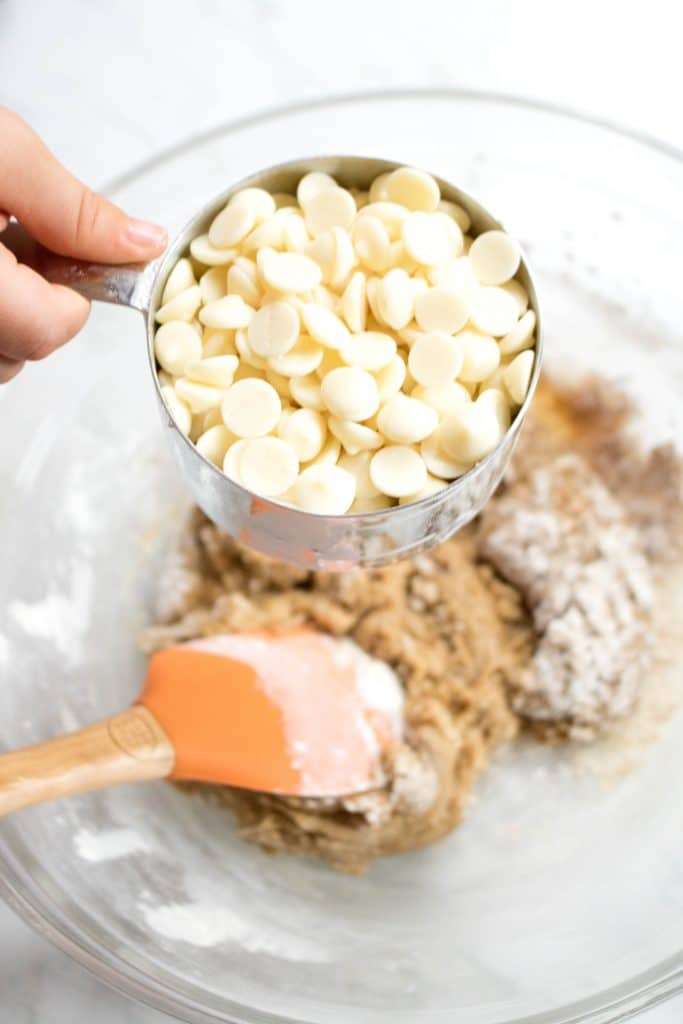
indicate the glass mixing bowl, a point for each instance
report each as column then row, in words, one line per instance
column 560, row 899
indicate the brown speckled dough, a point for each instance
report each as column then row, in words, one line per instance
column 454, row 634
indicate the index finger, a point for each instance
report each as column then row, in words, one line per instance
column 59, row 210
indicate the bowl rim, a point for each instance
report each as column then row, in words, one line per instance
column 641, row 991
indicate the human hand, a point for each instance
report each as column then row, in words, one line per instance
column 37, row 317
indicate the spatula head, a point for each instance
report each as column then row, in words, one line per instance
column 299, row 712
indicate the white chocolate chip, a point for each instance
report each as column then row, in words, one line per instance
column 470, row 433
column 261, row 203
column 350, row 393
column 273, row 329
column 353, row 303
column 355, row 437
column 497, row 400
column 231, row 462
column 288, row 271
column 518, row 375
column 181, row 307
column 246, row 353
column 214, row 443
column 438, row 461
column 251, row 408
column 306, row 391
column 301, row 360
column 243, row 281
column 371, row 242
column 413, row 189
column 390, row 378
column 494, row 381
column 270, row 234
column 372, row 295
column 295, row 235
column 521, row 336
column 329, row 454
column 204, row 252
column 176, row 345
column 377, row 192
column 398, row 471
column 330, row 208
column 326, row 489
column 406, row 420
column 358, row 466
column 323, row 252
column 396, row 298
column 231, row 225
column 435, row 359
column 217, row 342
column 305, row 430
column 440, row 309
column 344, row 257
column 313, row 184
column 392, row 216
column 494, row 257
column 481, row 356
column 323, row 325
column 199, row 397
column 369, row 350
column 179, row 280
column 213, row 284
column 431, row 238
column 177, row 409
column 443, row 397
column 518, row 292
column 400, row 258
column 459, row 215
column 323, row 296
column 456, row 275
column 493, row 310
column 268, row 466
column 218, row 371
column 229, row 312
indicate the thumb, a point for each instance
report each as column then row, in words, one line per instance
column 59, row 210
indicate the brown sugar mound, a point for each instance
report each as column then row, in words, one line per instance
column 454, row 634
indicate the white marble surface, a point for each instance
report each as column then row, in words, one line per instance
column 109, row 85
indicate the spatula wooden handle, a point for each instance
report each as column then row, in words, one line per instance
column 130, row 747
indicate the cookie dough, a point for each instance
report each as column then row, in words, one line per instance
column 455, row 635
column 534, row 616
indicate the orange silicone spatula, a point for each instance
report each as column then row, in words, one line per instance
column 298, row 713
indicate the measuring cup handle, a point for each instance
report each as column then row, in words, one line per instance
column 125, row 284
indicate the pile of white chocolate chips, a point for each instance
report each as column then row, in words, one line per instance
column 342, row 351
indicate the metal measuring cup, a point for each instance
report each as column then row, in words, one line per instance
column 309, row 540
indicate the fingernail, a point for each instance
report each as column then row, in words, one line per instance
column 146, row 236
